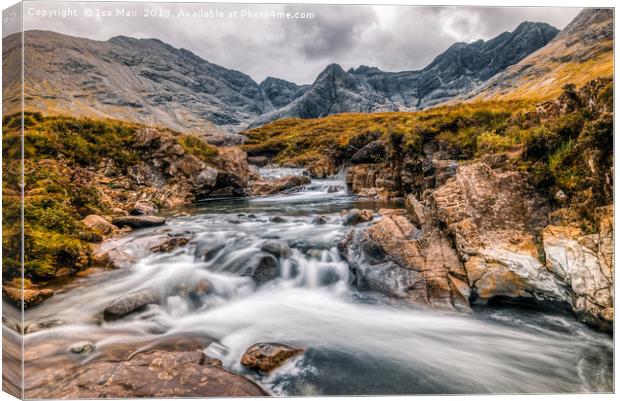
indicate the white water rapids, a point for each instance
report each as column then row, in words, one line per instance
column 356, row 342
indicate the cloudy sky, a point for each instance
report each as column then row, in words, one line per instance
column 393, row 38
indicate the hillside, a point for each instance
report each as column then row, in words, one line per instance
column 581, row 52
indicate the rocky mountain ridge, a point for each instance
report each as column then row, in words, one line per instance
column 151, row 82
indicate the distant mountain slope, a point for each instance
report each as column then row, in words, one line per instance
column 143, row 80
column 581, row 52
column 150, row 82
column 458, row 70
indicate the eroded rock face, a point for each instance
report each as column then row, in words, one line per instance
column 585, row 263
column 266, row 357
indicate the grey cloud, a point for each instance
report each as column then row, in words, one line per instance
column 393, row 38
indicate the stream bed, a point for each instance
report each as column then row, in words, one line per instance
column 357, row 343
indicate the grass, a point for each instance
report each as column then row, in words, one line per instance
column 59, row 156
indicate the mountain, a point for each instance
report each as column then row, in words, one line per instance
column 281, row 92
column 458, row 70
column 143, row 80
column 151, row 82
column 581, row 52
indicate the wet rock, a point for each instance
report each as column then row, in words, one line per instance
column 129, row 303
column 270, row 187
column 99, row 224
column 170, row 244
column 81, row 347
column 277, row 219
column 33, row 328
column 139, row 221
column 334, row 188
column 143, row 208
column 148, row 374
column 276, row 248
column 373, row 152
column 208, row 251
column 266, row 357
column 14, row 294
column 320, row 220
column 322, row 168
column 262, row 268
column 259, row 161
column 356, row 216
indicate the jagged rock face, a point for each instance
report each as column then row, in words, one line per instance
column 148, row 81
column 456, row 71
column 582, row 51
column 281, row 92
column 482, row 236
column 585, row 263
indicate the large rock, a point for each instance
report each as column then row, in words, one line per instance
column 143, row 207
column 99, row 224
column 492, row 218
column 585, row 263
column 262, row 268
column 270, row 187
column 146, row 374
column 14, row 293
column 139, row 221
column 373, row 152
column 266, row 357
column 130, row 303
column 276, row 248
column 357, row 216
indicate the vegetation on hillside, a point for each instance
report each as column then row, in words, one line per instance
column 570, row 150
column 60, row 154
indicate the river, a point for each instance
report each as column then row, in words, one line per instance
column 356, row 342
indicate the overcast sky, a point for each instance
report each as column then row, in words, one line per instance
column 393, row 38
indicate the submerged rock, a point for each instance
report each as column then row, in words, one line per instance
column 266, row 357
column 129, row 303
column 170, row 244
column 81, row 347
column 139, row 221
column 276, row 248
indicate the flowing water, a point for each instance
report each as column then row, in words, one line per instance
column 356, row 342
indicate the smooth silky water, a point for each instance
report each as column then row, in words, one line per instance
column 356, row 342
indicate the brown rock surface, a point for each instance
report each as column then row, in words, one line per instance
column 270, row 187
column 266, row 357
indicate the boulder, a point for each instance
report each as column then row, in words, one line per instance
column 30, row 296
column 373, row 152
column 139, row 221
column 356, row 216
column 274, row 186
column 129, row 303
column 143, row 207
column 99, row 224
column 170, row 244
column 322, row 168
column 276, row 248
column 320, row 220
column 262, row 268
column 266, row 357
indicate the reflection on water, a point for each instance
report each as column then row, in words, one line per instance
column 358, row 343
